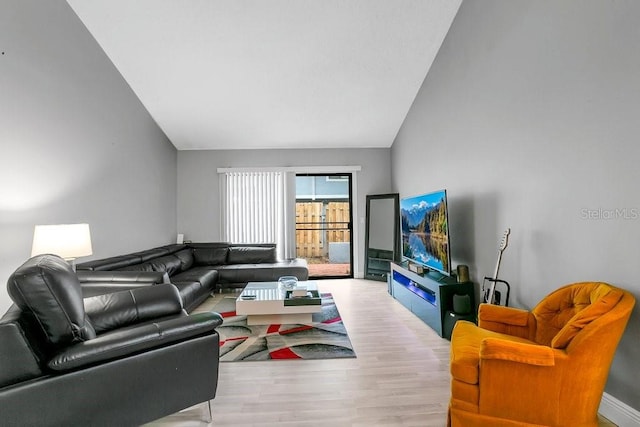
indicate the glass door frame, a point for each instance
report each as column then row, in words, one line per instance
column 349, row 224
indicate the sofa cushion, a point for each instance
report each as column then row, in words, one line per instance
column 207, row 276
column 150, row 254
column 145, row 266
column 119, row 262
column 251, row 254
column 133, row 306
column 264, row 272
column 210, row 256
column 190, row 292
column 46, row 287
column 169, row 263
column 186, row 259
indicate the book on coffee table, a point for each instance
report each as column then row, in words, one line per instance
column 312, row 298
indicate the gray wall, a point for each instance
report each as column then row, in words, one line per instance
column 529, row 118
column 199, row 191
column 76, row 144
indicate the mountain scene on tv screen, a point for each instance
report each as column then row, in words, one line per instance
column 424, row 233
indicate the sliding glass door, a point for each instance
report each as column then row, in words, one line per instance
column 324, row 224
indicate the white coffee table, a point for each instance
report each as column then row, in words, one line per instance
column 269, row 305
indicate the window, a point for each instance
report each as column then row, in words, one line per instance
column 259, row 207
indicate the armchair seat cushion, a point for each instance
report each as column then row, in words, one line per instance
column 465, row 353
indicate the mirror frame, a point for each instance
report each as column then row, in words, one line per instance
column 368, row 270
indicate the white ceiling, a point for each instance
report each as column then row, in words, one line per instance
column 241, row 74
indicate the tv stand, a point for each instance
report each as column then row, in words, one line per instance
column 429, row 296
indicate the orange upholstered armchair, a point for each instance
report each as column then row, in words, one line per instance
column 545, row 367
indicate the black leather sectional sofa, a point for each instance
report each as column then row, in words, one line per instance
column 196, row 269
column 119, row 359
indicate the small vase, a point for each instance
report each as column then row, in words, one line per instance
column 287, row 282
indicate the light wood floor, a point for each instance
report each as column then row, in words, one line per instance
column 399, row 378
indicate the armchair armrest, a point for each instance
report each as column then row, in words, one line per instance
column 513, row 351
column 506, row 320
column 502, row 314
column 121, row 343
column 119, row 309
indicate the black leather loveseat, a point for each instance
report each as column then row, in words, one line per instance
column 196, row 269
column 118, row 359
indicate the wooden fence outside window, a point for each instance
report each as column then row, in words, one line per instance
column 318, row 224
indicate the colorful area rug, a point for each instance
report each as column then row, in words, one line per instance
column 324, row 338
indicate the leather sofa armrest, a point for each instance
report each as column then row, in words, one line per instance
column 123, row 342
column 151, row 277
column 93, row 289
column 118, row 309
column 19, row 361
column 104, row 282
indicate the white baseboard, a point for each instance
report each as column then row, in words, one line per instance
column 618, row 412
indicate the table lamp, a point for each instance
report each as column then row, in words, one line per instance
column 68, row 241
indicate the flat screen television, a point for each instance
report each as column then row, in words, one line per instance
column 425, row 231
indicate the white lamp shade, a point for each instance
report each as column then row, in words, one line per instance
column 69, row 241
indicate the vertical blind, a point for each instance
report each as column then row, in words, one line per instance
column 259, row 207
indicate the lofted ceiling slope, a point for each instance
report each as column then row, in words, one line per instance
column 253, row 74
